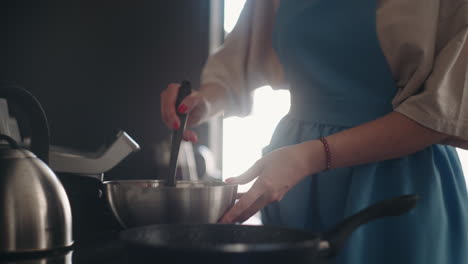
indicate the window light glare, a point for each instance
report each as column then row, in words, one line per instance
column 232, row 10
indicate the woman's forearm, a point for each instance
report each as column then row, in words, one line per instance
column 388, row 137
column 215, row 97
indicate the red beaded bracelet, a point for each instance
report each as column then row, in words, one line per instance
column 327, row 153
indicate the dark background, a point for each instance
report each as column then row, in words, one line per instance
column 99, row 66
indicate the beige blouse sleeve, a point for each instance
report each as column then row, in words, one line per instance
column 246, row 60
column 426, row 45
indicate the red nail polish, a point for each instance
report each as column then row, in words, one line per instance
column 182, row 108
column 175, row 125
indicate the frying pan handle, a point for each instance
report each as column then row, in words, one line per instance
column 393, row 207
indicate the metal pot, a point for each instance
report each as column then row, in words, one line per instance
column 146, row 202
column 250, row 244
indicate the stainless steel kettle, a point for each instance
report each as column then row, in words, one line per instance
column 35, row 213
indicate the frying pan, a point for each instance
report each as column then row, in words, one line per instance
column 217, row 243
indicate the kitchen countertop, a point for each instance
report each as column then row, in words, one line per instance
column 102, row 251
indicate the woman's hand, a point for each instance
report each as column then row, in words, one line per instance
column 195, row 104
column 277, row 172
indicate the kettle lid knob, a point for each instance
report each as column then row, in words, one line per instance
column 13, row 150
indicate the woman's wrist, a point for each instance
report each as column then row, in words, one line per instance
column 214, row 98
column 313, row 156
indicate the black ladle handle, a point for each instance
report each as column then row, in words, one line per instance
column 184, row 91
column 177, row 134
column 393, row 207
column 36, row 114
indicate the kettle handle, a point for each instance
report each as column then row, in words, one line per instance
column 39, row 126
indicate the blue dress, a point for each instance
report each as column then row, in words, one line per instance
column 340, row 78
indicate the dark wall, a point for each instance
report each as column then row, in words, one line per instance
column 99, row 66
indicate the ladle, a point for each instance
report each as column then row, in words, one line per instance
column 184, row 91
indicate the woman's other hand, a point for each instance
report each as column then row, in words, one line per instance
column 201, row 105
column 276, row 173
column 195, row 104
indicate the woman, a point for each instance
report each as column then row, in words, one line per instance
column 377, row 96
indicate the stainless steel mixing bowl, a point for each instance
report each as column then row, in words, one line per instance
column 146, row 202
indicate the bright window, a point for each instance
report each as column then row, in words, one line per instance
column 463, row 154
column 244, row 138
column 232, row 10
